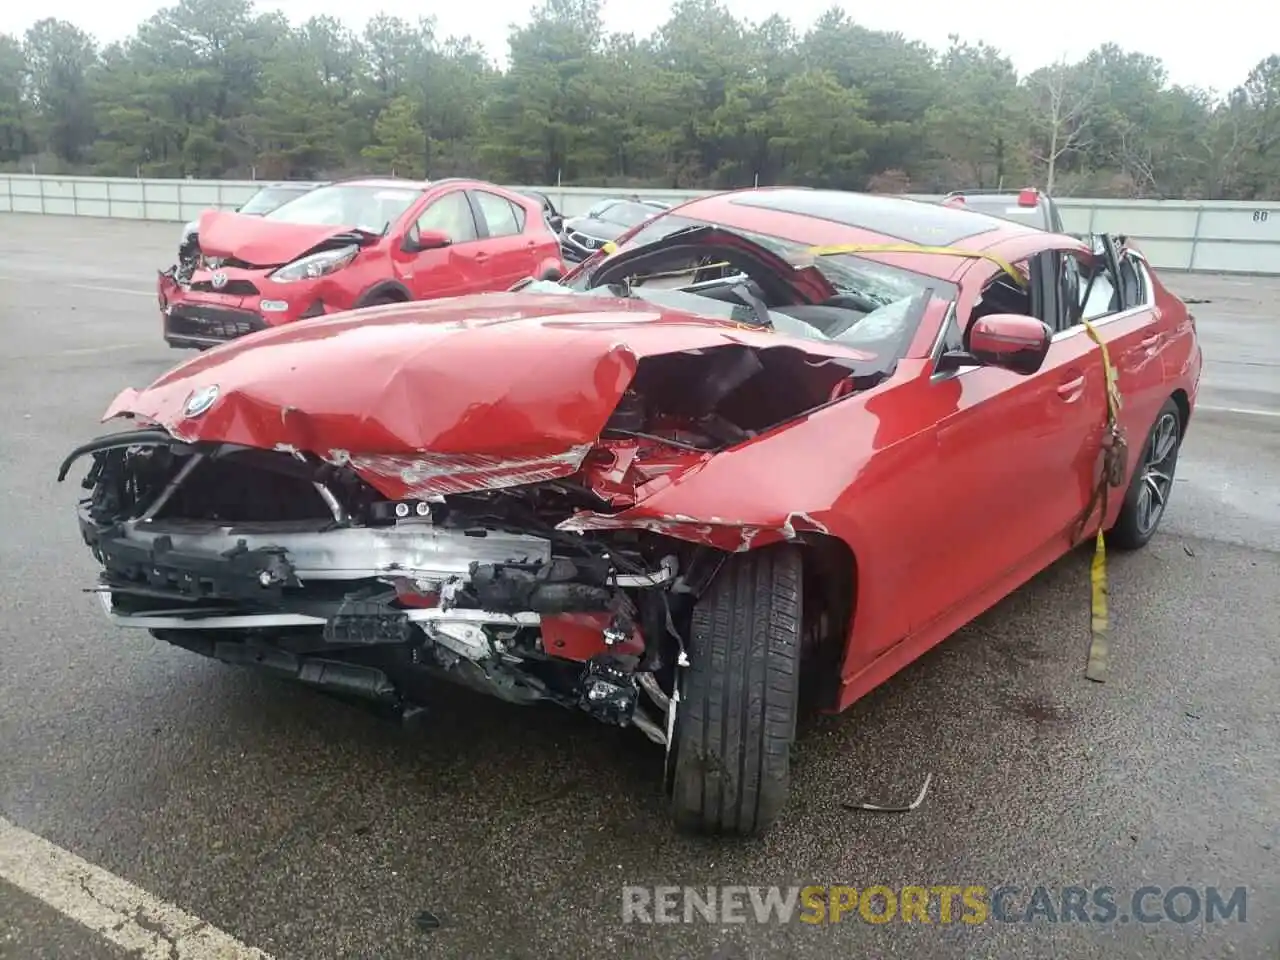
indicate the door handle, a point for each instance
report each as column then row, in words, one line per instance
column 481, row 257
column 1071, row 389
column 1150, row 341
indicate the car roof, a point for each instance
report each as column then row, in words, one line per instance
column 826, row 217
column 402, row 183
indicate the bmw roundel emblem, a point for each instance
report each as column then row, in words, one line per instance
column 200, row 401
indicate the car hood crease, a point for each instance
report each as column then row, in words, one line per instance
column 259, row 241
column 519, row 375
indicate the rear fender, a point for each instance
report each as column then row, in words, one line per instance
column 551, row 268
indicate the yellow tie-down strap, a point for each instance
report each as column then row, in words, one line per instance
column 1112, row 475
column 856, row 248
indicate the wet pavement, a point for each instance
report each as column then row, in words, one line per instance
column 312, row 830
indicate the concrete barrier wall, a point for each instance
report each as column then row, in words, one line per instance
column 1215, row 236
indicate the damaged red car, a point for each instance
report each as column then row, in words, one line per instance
column 349, row 244
column 766, row 453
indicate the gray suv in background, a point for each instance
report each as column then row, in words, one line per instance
column 1028, row 206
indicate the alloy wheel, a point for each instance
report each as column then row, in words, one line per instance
column 1157, row 473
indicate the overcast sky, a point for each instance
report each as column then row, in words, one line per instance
column 1207, row 50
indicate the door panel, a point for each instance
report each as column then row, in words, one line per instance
column 1015, row 453
column 1135, row 337
column 510, row 250
column 452, row 270
column 1011, row 459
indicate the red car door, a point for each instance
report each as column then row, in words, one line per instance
column 1136, row 334
column 451, row 270
column 512, row 253
column 1015, row 455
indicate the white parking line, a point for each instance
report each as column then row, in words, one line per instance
column 1238, row 411
column 109, row 348
column 96, row 288
column 124, row 290
column 115, row 909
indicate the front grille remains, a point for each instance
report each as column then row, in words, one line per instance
column 235, row 288
column 216, row 323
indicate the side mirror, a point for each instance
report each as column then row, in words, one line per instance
column 556, row 222
column 415, row 241
column 1011, row 341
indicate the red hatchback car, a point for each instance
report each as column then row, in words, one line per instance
column 780, row 441
column 352, row 244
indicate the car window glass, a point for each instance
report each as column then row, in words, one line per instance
column 498, row 214
column 268, row 198
column 519, row 213
column 628, row 214
column 364, row 206
column 1002, row 294
column 1072, row 281
column 450, row 215
column 1133, row 282
column 1098, row 294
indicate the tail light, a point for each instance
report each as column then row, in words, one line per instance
column 1028, row 197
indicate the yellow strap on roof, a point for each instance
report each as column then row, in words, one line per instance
column 856, row 248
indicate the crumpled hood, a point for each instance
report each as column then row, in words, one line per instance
column 499, row 375
column 258, row 241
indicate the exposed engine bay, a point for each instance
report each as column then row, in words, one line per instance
column 299, row 563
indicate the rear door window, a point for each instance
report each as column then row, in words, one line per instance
column 451, row 215
column 498, row 213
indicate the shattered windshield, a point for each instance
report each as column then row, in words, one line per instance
column 876, row 308
column 362, row 206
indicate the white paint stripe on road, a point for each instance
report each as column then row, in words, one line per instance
column 1238, row 411
column 119, row 912
column 96, row 288
column 110, row 348
column 125, row 290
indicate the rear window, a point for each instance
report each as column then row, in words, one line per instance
column 911, row 221
column 627, row 214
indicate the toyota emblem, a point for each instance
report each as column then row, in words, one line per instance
column 219, row 280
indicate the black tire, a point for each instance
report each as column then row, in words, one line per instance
column 1135, row 526
column 551, row 274
column 736, row 721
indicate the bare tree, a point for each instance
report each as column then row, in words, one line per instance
column 1064, row 99
column 1136, row 159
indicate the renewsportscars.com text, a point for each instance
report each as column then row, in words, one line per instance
column 942, row 904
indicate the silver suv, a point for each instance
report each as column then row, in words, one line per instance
column 1028, row 206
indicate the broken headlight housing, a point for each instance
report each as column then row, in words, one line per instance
column 316, row 265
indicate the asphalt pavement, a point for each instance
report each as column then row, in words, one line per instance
column 312, row 830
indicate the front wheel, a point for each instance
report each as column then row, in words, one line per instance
column 1152, row 483
column 736, row 718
